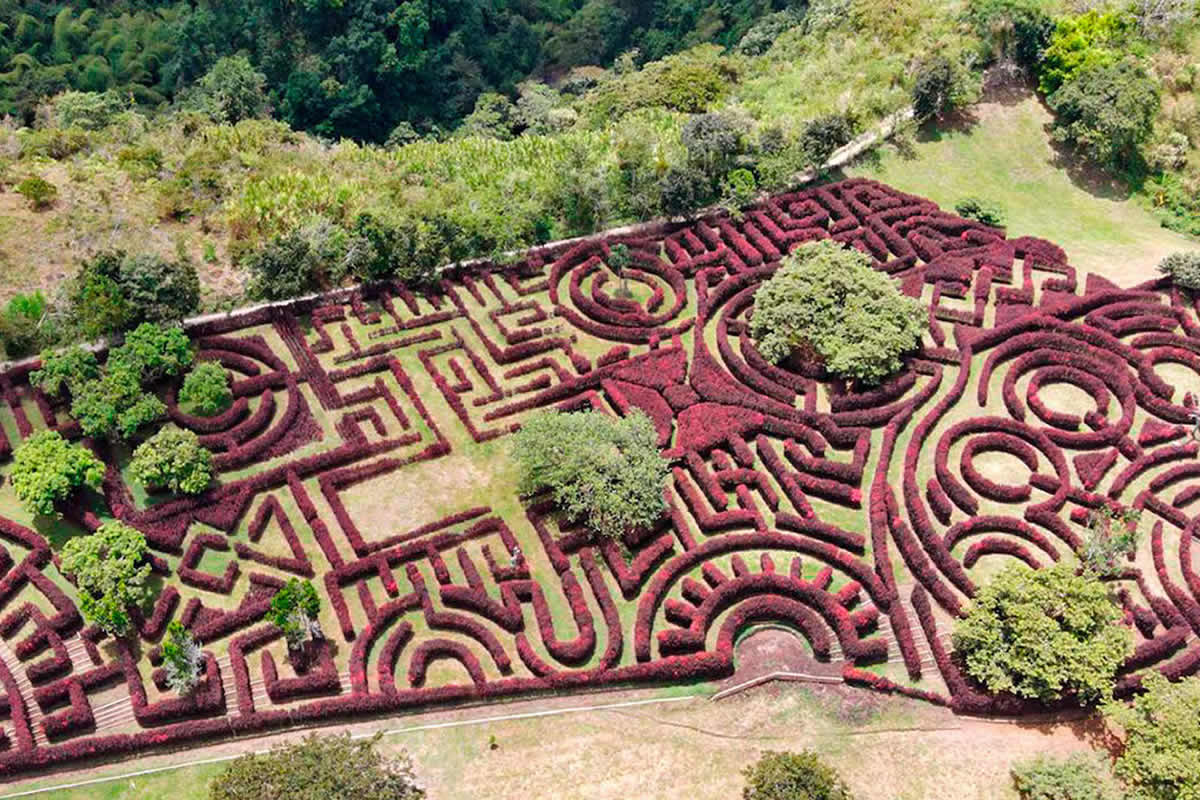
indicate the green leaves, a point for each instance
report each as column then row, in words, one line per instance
column 293, row 607
column 47, row 469
column 206, row 389
column 115, row 405
column 111, row 570
column 1044, row 634
column 1107, row 112
column 1162, row 738
column 827, row 299
column 153, row 352
column 65, row 370
column 606, row 473
column 172, row 459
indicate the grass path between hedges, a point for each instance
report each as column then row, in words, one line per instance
column 691, row 747
column 1001, row 151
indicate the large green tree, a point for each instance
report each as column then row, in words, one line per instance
column 172, row 459
column 111, row 570
column 606, row 473
column 1044, row 634
column 1107, row 112
column 826, row 299
column 47, row 469
column 115, row 405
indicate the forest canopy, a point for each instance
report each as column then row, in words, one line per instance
column 343, row 68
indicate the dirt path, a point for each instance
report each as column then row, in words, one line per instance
column 655, row 744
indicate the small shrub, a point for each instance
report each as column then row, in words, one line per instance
column 1112, row 535
column 174, row 460
column 824, row 135
column 1044, row 634
column 89, row 111
column 933, row 88
column 763, row 33
column 739, row 188
column 47, row 469
column 792, row 776
column 682, row 191
column 39, row 192
column 1077, row 777
column 284, row 267
column 141, row 161
column 1170, row 152
column 206, row 389
column 294, row 608
column 182, row 658
column 715, row 144
column 606, row 473
column 980, row 210
column 110, row 568
column 494, row 117
column 1183, row 269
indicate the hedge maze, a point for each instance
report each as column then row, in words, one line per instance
column 864, row 520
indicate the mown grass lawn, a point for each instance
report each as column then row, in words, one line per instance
column 1001, row 151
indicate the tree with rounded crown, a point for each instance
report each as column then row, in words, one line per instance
column 604, row 472
column 111, row 568
column 827, row 300
column 206, row 389
column 319, row 768
column 47, row 469
column 294, row 608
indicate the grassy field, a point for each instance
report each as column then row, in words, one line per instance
column 1001, row 151
column 655, row 751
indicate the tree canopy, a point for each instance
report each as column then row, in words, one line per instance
column 319, row 768
column 111, row 569
column 1107, row 112
column 1161, row 757
column 606, row 473
column 172, row 459
column 352, row 68
column 206, row 389
column 827, row 298
column 792, row 776
column 47, row 469
column 1044, row 634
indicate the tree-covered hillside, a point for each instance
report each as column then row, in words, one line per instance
column 352, row 68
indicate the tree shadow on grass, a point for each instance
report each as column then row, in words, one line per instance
column 57, row 531
column 962, row 120
column 1086, row 725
